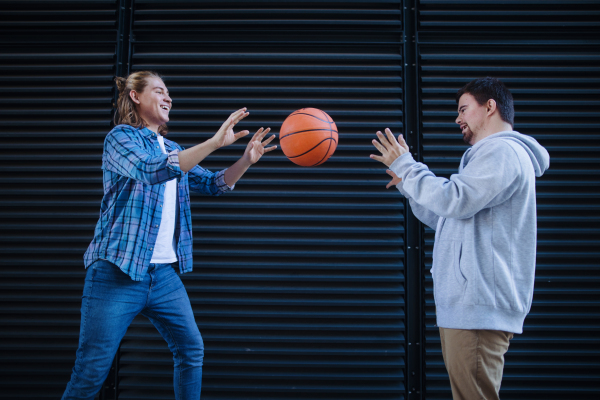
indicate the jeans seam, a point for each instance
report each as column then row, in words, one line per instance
column 174, row 341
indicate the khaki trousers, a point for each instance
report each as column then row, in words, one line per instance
column 475, row 361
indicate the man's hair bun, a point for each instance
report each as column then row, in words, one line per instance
column 121, row 83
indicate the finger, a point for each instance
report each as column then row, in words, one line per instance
column 239, row 115
column 390, row 184
column 257, row 134
column 230, row 123
column 268, row 149
column 384, row 140
column 234, row 115
column 238, row 112
column 390, row 173
column 379, row 146
column 234, row 118
column 260, row 134
column 376, row 158
column 240, row 134
column 265, row 132
column 269, row 140
column 402, row 141
column 390, row 135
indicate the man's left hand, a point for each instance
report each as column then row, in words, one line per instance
column 256, row 148
column 389, row 147
column 395, row 180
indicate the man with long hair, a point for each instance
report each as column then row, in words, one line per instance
column 145, row 230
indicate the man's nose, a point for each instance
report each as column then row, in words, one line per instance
column 457, row 120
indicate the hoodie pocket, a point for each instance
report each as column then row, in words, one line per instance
column 448, row 279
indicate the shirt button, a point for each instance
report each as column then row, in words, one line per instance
column 161, row 205
column 151, row 248
column 157, row 147
column 156, row 226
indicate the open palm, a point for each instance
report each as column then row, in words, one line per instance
column 225, row 135
column 256, row 146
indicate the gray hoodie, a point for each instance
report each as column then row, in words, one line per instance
column 485, row 222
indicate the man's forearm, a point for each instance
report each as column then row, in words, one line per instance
column 235, row 172
column 191, row 157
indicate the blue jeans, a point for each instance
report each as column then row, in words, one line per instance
column 111, row 300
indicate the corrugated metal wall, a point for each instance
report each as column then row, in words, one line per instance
column 57, row 61
column 300, row 283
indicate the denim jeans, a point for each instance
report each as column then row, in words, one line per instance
column 111, row 300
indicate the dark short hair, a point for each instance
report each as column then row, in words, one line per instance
column 483, row 89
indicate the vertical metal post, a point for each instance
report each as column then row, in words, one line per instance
column 110, row 388
column 414, row 229
column 124, row 42
column 124, row 37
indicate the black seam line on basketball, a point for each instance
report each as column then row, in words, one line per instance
column 308, row 130
column 308, row 151
column 323, row 120
column 329, row 147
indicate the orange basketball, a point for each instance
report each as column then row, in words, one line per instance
column 308, row 137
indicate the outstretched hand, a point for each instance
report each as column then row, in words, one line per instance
column 395, row 180
column 390, row 148
column 225, row 136
column 256, row 147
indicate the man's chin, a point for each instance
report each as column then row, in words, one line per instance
column 467, row 137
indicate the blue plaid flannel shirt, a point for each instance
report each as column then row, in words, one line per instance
column 135, row 172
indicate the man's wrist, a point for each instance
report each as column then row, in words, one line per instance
column 245, row 161
column 400, row 160
column 212, row 144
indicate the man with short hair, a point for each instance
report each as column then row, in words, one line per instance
column 485, row 240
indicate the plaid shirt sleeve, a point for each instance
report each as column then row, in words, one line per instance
column 125, row 155
column 204, row 181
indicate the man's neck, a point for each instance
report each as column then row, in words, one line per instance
column 491, row 128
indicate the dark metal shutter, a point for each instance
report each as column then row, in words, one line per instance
column 57, row 63
column 298, row 287
column 547, row 52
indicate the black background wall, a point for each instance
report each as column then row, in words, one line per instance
column 309, row 283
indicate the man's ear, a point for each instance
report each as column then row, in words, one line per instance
column 491, row 106
column 134, row 97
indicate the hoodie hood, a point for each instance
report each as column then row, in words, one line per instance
column 540, row 159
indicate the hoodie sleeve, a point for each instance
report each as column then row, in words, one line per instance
column 424, row 215
column 492, row 175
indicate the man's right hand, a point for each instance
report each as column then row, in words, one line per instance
column 225, row 136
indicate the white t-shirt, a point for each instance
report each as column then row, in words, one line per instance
column 164, row 249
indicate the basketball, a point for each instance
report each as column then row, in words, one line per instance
column 308, row 137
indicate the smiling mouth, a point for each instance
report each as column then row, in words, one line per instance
column 165, row 108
